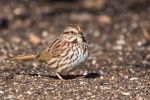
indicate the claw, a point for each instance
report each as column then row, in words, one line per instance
column 58, row 75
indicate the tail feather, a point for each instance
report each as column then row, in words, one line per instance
column 29, row 57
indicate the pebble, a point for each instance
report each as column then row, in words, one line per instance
column 15, row 39
column 94, row 4
column 118, row 47
column 104, row 19
column 120, row 42
column 85, row 73
column 89, row 93
column 93, row 61
column 35, row 64
column 34, row 39
column 29, row 92
column 125, row 93
column 104, row 88
column 1, row 92
column 139, row 43
column 133, row 78
column 83, row 83
column 131, row 70
column 19, row 11
column 45, row 33
column 97, row 33
column 101, row 77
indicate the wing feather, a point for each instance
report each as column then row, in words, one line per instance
column 54, row 50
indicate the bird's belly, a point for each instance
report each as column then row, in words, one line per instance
column 72, row 58
column 79, row 56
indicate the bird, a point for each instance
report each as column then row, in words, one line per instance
column 65, row 53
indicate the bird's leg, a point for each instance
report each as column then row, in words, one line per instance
column 58, row 75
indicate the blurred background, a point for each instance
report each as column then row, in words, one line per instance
column 118, row 33
column 28, row 26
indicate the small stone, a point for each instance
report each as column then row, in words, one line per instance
column 120, row 42
column 1, row 92
column 101, row 77
column 34, row 39
column 126, row 77
column 112, row 78
column 89, row 93
column 131, row 70
column 133, row 78
column 93, row 61
column 139, row 43
column 118, row 47
column 96, row 33
column 120, row 58
column 85, row 73
column 104, row 19
column 15, row 39
column 29, row 92
column 19, row 11
column 82, row 83
column 45, row 33
column 125, row 93
column 94, row 4
column 35, row 64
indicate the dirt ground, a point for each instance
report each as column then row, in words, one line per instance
column 118, row 32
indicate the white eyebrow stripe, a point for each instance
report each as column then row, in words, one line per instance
column 71, row 29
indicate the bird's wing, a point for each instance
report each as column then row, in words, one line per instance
column 57, row 48
column 52, row 51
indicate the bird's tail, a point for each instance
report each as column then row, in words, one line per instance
column 28, row 57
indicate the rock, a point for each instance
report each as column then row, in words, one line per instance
column 104, row 19
column 96, row 4
column 34, row 39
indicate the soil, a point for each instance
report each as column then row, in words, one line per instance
column 118, row 32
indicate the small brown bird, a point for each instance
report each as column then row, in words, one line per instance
column 66, row 52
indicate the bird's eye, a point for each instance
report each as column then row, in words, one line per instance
column 72, row 32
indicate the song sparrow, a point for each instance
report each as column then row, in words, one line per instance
column 66, row 52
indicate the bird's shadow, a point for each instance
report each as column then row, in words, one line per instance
column 71, row 76
column 25, row 71
column 142, row 65
column 66, row 77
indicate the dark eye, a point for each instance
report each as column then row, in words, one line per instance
column 72, row 32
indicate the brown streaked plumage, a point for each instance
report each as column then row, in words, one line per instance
column 66, row 52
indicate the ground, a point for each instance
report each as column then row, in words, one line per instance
column 118, row 67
